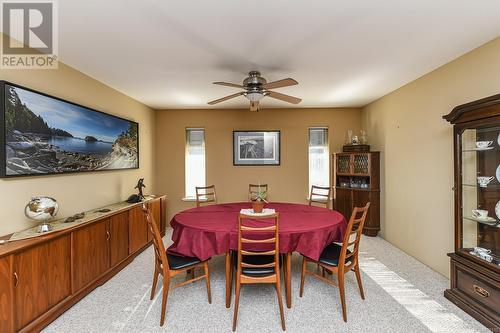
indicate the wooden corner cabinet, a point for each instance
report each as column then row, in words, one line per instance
column 356, row 182
column 42, row 277
column 475, row 264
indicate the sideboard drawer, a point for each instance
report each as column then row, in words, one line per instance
column 479, row 288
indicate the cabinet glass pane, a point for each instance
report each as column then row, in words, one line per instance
column 361, row 164
column 481, row 193
column 343, row 163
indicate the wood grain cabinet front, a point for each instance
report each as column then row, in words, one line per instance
column 137, row 230
column 343, row 201
column 6, row 282
column 42, row 279
column 118, row 228
column 90, row 253
column 155, row 208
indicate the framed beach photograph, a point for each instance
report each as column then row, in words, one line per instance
column 44, row 135
column 256, row 148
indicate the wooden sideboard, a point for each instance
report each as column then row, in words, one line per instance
column 42, row 277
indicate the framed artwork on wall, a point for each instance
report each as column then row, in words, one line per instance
column 256, row 148
column 43, row 135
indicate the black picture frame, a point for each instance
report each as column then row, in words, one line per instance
column 250, row 136
column 3, row 134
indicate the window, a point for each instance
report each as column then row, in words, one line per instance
column 319, row 159
column 195, row 160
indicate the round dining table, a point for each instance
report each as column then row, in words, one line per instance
column 211, row 230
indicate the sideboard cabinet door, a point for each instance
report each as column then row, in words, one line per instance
column 118, row 228
column 155, row 208
column 6, row 280
column 42, row 278
column 90, row 253
column 138, row 229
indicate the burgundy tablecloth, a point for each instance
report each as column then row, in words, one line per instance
column 212, row 230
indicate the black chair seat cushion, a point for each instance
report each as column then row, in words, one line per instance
column 179, row 262
column 256, row 260
column 331, row 254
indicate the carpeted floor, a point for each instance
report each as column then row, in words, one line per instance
column 402, row 295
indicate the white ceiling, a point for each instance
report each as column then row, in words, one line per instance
column 343, row 53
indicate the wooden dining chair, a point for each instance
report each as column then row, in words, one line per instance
column 319, row 195
column 205, row 194
column 339, row 259
column 258, row 267
column 253, row 190
column 168, row 265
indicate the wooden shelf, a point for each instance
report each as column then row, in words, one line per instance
column 346, row 198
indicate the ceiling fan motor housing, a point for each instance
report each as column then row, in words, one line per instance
column 254, row 81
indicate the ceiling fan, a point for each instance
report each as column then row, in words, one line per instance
column 256, row 88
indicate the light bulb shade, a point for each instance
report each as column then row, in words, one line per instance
column 254, row 96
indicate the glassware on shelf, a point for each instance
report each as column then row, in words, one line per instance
column 363, row 138
column 349, row 137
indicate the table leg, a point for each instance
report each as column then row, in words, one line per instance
column 288, row 277
column 229, row 279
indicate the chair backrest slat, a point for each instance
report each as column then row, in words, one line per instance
column 243, row 264
column 355, row 226
column 263, row 253
column 161, row 260
column 245, row 233
column 253, row 189
column 258, row 228
column 205, row 194
column 267, row 240
column 320, row 195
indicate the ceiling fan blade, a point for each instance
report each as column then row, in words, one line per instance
column 254, row 106
column 225, row 98
column 227, row 84
column 280, row 83
column 283, row 97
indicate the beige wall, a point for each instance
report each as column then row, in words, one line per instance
column 417, row 160
column 77, row 192
column 288, row 182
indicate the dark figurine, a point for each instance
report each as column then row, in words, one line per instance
column 134, row 198
column 139, row 186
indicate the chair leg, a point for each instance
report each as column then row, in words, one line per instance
column 155, row 281
column 302, row 276
column 358, row 278
column 284, row 271
column 280, row 303
column 342, row 295
column 166, row 286
column 288, row 282
column 190, row 274
column 207, row 278
column 236, row 303
column 229, row 279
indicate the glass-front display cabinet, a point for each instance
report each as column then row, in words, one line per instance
column 475, row 264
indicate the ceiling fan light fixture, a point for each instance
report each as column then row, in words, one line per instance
column 254, row 96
